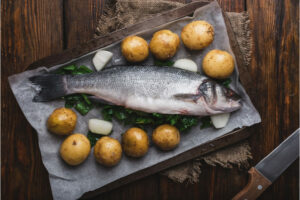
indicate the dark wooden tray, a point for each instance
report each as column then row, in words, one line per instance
column 160, row 19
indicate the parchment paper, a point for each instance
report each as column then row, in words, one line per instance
column 71, row 182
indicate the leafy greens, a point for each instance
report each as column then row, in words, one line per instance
column 93, row 138
column 142, row 119
column 79, row 101
column 163, row 63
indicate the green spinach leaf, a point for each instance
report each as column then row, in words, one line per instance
column 205, row 122
column 163, row 63
column 93, row 138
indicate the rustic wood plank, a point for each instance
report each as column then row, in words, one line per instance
column 233, row 5
column 275, row 69
column 145, row 188
column 28, row 33
column 210, row 179
column 229, row 5
column 80, row 20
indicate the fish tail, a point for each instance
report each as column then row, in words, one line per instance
column 51, row 86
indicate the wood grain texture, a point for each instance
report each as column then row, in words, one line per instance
column 35, row 29
column 275, row 68
column 30, row 30
column 233, row 5
column 80, row 19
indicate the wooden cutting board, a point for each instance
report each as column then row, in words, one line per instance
column 160, row 19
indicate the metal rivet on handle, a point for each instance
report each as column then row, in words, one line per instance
column 259, row 187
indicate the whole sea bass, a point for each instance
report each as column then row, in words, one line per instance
column 151, row 89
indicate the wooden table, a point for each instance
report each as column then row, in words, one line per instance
column 38, row 28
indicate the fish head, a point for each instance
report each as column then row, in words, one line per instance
column 219, row 98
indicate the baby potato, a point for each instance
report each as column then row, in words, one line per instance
column 164, row 44
column 75, row 149
column 62, row 121
column 135, row 142
column 166, row 137
column 135, row 49
column 108, row 151
column 218, row 64
column 197, row 35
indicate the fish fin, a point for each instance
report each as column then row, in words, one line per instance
column 52, row 86
column 99, row 100
column 188, row 97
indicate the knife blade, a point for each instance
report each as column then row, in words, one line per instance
column 269, row 169
column 280, row 158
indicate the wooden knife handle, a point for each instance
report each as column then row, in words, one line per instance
column 256, row 185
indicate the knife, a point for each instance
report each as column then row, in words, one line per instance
column 269, row 169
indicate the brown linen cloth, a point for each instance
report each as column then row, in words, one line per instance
column 122, row 13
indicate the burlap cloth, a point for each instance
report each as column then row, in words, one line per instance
column 118, row 14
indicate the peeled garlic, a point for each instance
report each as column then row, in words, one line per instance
column 220, row 120
column 101, row 127
column 101, row 59
column 186, row 64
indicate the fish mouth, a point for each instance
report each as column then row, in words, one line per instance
column 234, row 100
column 234, row 105
column 227, row 107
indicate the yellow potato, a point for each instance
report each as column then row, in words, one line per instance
column 62, row 121
column 164, row 44
column 135, row 142
column 218, row 64
column 75, row 149
column 135, row 49
column 166, row 137
column 108, row 151
column 197, row 35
